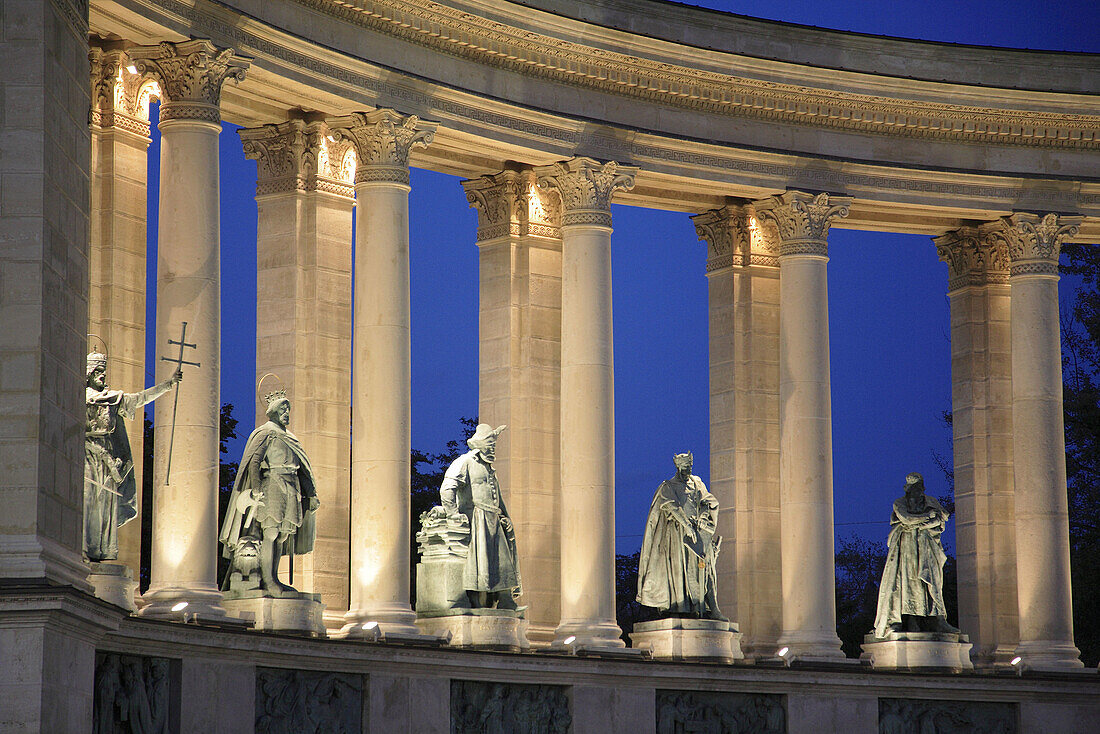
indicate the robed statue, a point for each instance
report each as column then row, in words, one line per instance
column 110, row 491
column 676, row 568
column 470, row 494
column 272, row 508
column 910, row 595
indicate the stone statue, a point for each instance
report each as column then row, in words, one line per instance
column 110, row 492
column 470, row 495
column 676, row 568
column 273, row 505
column 910, row 596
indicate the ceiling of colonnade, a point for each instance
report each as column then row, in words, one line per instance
column 708, row 105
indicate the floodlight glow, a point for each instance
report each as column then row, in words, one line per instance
column 331, row 138
column 783, row 651
column 132, row 69
column 179, row 607
column 570, row 640
column 1017, row 660
column 369, row 625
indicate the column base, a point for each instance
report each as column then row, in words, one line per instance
column 200, row 602
column 589, row 634
column 811, row 647
column 113, row 583
column 1052, row 656
column 397, row 619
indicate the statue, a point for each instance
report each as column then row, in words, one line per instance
column 910, row 596
column 273, row 505
column 676, row 568
column 110, row 492
column 470, row 496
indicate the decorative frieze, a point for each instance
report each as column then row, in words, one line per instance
column 803, row 220
column 974, row 256
column 383, row 140
column 1034, row 241
column 904, row 715
column 684, row 711
column 120, row 97
column 289, row 700
column 482, row 706
column 736, row 238
column 300, row 156
column 511, row 203
column 190, row 76
column 131, row 694
column 585, row 186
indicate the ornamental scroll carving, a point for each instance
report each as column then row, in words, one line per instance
column 585, row 186
column 803, row 220
column 190, row 76
column 511, row 203
column 478, row 707
column 132, row 694
column 1034, row 241
column 913, row 716
column 308, row 702
column 720, row 712
column 973, row 256
column 120, row 98
column 299, row 156
column 382, row 141
column 736, row 238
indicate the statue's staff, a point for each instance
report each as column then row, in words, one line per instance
column 179, row 361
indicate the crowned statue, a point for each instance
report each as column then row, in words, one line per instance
column 272, row 507
column 110, row 491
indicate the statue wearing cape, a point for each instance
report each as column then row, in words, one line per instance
column 110, row 492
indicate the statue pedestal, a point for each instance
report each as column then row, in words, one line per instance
column 113, row 583
column 918, row 651
column 699, row 640
column 481, row 629
column 300, row 616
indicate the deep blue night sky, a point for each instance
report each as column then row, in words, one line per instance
column 888, row 309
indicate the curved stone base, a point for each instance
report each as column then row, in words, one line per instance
column 479, row 629
column 301, row 616
column 203, row 603
column 113, row 583
column 587, row 634
column 925, row 651
column 699, row 640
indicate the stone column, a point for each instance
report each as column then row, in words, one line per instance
column 1038, row 445
column 519, row 242
column 116, row 242
column 381, row 378
column 303, row 322
column 587, row 399
column 185, row 510
column 981, row 409
column 743, row 276
column 805, row 422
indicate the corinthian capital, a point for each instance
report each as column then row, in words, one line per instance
column 973, row 256
column 1034, row 242
column 510, row 203
column 735, row 238
column 120, row 98
column 382, row 141
column 586, row 186
column 803, row 220
column 299, row 156
column 190, row 75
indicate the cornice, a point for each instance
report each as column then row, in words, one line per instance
column 492, row 43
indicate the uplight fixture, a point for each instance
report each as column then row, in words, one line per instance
column 179, row 607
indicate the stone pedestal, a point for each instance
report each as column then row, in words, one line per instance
column 699, row 640
column 301, row 616
column 480, row 629
column 113, row 583
column 919, row 651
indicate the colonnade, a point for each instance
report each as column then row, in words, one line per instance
column 545, row 237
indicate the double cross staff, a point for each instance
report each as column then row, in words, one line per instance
column 179, row 362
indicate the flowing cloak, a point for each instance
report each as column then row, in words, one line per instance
column 254, row 474
column 674, row 571
column 110, row 492
column 912, row 579
column 470, row 487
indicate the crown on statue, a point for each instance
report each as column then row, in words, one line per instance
column 274, row 396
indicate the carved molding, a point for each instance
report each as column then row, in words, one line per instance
column 802, row 220
column 456, row 32
column 299, row 156
column 974, row 257
column 736, row 238
column 511, row 203
column 586, row 186
column 120, row 98
column 1034, row 241
column 382, row 141
column 190, row 76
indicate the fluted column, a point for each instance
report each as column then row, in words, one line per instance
column 185, row 511
column 805, row 421
column 743, row 276
column 587, row 399
column 305, row 197
column 519, row 370
column 381, row 377
column 981, row 409
column 1038, row 445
